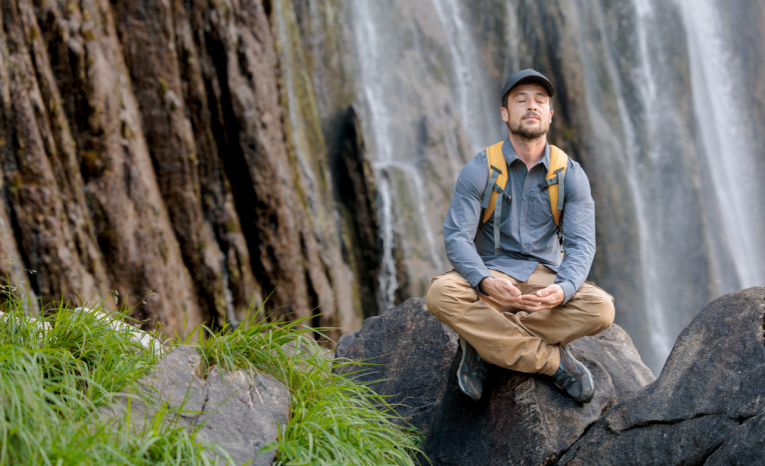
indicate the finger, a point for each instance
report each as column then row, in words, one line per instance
column 515, row 292
column 530, row 298
column 528, row 306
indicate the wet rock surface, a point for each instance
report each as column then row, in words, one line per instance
column 238, row 410
column 711, row 383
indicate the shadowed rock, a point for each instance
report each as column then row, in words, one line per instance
column 712, row 381
column 238, row 410
column 411, row 352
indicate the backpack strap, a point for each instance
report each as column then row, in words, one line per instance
column 554, row 181
column 495, row 193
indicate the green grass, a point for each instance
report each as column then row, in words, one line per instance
column 53, row 381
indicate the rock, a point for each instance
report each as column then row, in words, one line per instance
column 744, row 446
column 613, row 348
column 239, row 410
column 412, row 353
column 521, row 419
column 241, row 414
column 711, row 382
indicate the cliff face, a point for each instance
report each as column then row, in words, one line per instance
column 144, row 149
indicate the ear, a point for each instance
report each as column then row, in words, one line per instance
column 505, row 114
column 551, row 114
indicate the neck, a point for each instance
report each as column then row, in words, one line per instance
column 530, row 151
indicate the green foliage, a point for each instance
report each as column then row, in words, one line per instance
column 334, row 420
column 57, row 370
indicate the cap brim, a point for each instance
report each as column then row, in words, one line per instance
column 535, row 80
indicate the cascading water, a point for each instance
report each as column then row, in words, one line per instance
column 723, row 131
column 481, row 123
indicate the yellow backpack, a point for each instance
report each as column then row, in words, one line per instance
column 492, row 202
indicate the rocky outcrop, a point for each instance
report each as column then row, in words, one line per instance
column 411, row 357
column 706, row 406
column 239, row 410
column 708, row 394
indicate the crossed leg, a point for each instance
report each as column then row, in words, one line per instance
column 513, row 339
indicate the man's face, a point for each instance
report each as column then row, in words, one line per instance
column 528, row 113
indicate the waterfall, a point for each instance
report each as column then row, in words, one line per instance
column 472, row 94
column 723, row 130
column 395, row 152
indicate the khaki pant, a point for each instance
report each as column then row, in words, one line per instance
column 515, row 339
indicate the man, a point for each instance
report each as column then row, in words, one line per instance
column 512, row 298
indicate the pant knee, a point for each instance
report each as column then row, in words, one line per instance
column 434, row 295
column 603, row 313
column 445, row 294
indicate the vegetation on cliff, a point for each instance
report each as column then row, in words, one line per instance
column 57, row 370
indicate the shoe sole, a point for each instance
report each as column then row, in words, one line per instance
column 463, row 342
column 589, row 374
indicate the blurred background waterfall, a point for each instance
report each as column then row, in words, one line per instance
column 217, row 151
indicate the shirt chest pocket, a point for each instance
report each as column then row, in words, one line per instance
column 539, row 215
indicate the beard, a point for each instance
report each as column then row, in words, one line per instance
column 529, row 133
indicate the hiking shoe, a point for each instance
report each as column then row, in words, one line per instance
column 573, row 377
column 472, row 371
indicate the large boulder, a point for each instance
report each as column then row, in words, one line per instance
column 238, row 410
column 710, row 385
column 410, row 359
column 409, row 353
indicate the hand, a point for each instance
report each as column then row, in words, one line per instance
column 546, row 298
column 506, row 294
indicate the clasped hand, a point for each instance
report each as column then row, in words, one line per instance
column 508, row 295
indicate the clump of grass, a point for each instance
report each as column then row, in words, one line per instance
column 58, row 369
column 55, row 372
column 334, row 419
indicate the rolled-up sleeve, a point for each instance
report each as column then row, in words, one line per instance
column 578, row 220
column 462, row 221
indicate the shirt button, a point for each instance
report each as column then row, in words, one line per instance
column 523, row 222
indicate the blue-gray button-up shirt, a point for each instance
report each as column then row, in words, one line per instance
column 528, row 235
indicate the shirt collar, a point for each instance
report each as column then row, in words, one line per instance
column 511, row 156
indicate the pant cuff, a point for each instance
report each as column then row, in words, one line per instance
column 553, row 362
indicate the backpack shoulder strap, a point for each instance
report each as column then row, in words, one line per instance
column 497, row 175
column 554, row 181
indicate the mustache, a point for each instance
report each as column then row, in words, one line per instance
column 532, row 114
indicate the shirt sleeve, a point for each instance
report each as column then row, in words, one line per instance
column 463, row 219
column 578, row 221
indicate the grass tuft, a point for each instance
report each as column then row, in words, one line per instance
column 58, row 369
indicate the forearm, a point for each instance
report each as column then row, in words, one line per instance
column 579, row 248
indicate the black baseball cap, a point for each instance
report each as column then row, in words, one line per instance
column 527, row 77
